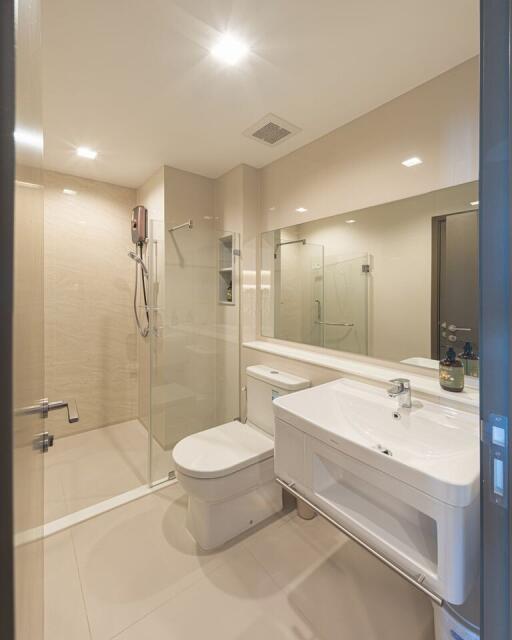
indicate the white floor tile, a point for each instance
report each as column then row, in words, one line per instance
column 144, row 578
column 65, row 613
column 237, row 600
column 135, row 558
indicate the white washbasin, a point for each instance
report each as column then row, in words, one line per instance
column 434, row 448
column 407, row 486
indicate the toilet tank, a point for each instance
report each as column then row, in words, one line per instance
column 263, row 385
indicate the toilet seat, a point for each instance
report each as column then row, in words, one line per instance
column 222, row 450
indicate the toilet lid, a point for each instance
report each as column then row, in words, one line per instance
column 222, row 450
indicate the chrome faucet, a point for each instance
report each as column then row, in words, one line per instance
column 401, row 389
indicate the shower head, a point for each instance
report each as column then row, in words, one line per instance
column 138, row 260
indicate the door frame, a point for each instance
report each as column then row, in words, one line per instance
column 7, row 170
column 495, row 310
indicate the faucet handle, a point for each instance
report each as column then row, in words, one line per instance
column 400, row 384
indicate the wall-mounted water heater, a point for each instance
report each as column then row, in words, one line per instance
column 139, row 225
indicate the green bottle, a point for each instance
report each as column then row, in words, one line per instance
column 470, row 361
column 451, row 372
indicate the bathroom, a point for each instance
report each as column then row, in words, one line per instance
column 253, row 311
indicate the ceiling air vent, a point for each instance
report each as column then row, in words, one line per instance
column 271, row 130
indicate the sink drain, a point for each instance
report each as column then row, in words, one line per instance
column 384, row 450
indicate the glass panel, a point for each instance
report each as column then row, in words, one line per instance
column 292, row 288
column 28, row 325
column 194, row 350
column 346, row 304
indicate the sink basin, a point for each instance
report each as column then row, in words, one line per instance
column 432, row 447
column 405, row 481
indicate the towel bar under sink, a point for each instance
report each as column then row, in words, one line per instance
column 416, row 581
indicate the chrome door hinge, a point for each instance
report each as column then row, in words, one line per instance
column 43, row 441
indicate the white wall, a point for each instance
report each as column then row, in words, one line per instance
column 359, row 164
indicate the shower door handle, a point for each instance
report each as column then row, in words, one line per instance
column 44, row 407
column 69, row 405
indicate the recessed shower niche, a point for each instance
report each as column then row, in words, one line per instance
column 226, row 258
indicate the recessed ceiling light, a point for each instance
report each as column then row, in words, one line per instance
column 69, row 192
column 29, row 138
column 301, row 210
column 85, row 152
column 475, row 203
column 230, row 49
column 412, row 162
column 350, row 221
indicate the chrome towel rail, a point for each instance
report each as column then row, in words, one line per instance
column 189, row 224
column 336, row 324
column 415, row 581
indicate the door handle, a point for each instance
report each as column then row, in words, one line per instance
column 44, row 407
column 453, row 328
column 69, row 405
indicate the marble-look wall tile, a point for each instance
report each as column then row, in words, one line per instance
column 90, row 339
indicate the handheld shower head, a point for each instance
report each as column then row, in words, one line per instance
column 138, row 260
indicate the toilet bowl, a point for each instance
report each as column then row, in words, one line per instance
column 228, row 471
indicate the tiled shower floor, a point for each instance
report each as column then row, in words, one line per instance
column 84, row 469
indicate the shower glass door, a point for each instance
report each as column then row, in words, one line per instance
column 298, row 278
column 192, row 353
column 345, row 314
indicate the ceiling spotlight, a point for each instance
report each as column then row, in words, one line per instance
column 230, row 49
column 85, row 152
column 412, row 162
column 350, row 221
column 301, row 210
column 475, row 203
column 69, row 192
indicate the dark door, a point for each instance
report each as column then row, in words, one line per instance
column 458, row 282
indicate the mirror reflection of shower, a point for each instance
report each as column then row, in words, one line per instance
column 139, row 226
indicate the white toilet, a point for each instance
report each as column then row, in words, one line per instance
column 228, row 471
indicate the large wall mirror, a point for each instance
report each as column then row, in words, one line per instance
column 398, row 281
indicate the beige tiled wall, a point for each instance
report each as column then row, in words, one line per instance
column 90, row 339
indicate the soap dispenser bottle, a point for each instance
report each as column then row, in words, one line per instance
column 470, row 361
column 451, row 372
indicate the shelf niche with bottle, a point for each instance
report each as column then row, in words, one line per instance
column 226, row 262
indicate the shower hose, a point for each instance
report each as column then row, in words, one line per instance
column 144, row 331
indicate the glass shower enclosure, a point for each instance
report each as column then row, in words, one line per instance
column 311, row 297
column 190, row 366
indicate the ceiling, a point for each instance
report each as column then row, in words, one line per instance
column 134, row 79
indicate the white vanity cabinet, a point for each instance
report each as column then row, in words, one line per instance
column 407, row 486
